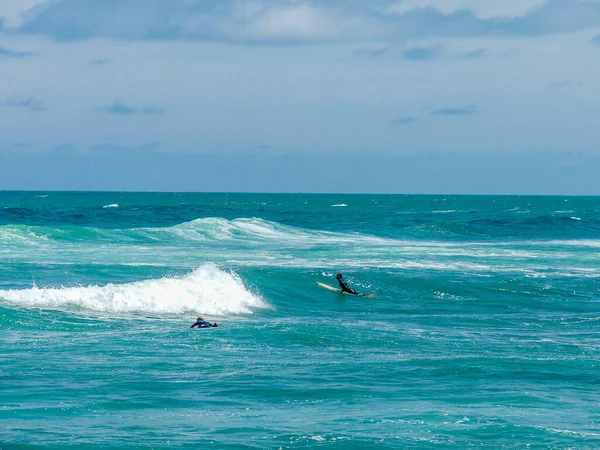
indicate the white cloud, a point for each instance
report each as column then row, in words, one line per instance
column 294, row 21
column 301, row 21
column 15, row 12
column 247, row 10
column 483, row 9
column 286, row 22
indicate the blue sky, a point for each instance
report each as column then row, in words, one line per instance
column 408, row 96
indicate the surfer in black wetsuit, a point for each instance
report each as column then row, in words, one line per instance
column 344, row 286
column 201, row 323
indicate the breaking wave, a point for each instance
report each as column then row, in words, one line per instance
column 207, row 290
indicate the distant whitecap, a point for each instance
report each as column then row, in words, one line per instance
column 112, row 205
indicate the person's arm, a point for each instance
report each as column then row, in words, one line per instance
column 347, row 289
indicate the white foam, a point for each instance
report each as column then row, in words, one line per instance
column 11, row 235
column 112, row 205
column 207, row 290
column 575, row 218
column 254, row 242
column 340, row 205
column 262, row 230
column 567, row 242
column 572, row 433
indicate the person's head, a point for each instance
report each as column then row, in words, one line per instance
column 200, row 319
column 216, row 324
column 339, row 276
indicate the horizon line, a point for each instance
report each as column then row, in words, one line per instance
column 100, row 191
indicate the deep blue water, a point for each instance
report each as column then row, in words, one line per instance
column 484, row 329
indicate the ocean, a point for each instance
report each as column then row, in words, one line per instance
column 483, row 332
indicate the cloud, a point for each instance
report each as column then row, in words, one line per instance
column 206, row 20
column 13, row 13
column 564, row 84
column 6, row 53
column 482, row 9
column 304, row 21
column 118, row 108
column 375, row 52
column 595, row 40
column 422, row 53
column 475, row 54
column 111, row 147
column 21, row 145
column 99, row 61
column 283, row 22
column 296, row 23
column 26, row 103
column 66, row 148
column 456, row 111
column 407, row 120
column 419, row 53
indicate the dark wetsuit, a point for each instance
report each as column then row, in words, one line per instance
column 345, row 287
column 202, row 325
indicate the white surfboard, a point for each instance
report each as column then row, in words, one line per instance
column 338, row 290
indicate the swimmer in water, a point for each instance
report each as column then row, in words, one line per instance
column 201, row 323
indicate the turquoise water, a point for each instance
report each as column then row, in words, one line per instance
column 483, row 331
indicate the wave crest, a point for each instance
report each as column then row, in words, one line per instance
column 206, row 290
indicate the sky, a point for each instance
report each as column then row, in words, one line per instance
column 389, row 96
